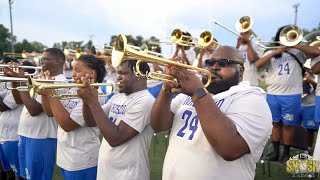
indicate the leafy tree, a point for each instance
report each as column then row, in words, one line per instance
column 138, row 41
column 5, row 40
column 29, row 46
column 5, row 43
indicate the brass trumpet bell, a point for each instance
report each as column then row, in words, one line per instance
column 244, row 24
column 313, row 38
column 291, row 35
column 204, row 39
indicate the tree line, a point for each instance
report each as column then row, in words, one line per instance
column 5, row 43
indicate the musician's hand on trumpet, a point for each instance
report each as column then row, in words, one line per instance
column 13, row 71
column 281, row 49
column 49, row 93
column 244, row 38
column 187, row 81
column 88, row 93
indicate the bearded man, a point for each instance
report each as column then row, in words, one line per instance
column 218, row 132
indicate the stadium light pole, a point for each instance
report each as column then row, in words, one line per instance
column 10, row 7
column 296, row 6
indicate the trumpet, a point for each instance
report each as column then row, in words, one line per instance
column 204, row 40
column 2, row 66
column 313, row 39
column 35, row 86
column 72, row 54
column 159, row 43
column 122, row 50
column 243, row 24
column 290, row 35
column 6, row 80
column 23, row 55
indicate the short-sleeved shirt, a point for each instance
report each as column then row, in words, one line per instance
column 130, row 159
column 78, row 149
column 9, row 120
column 191, row 156
column 314, row 61
column 40, row 126
column 250, row 71
column 284, row 75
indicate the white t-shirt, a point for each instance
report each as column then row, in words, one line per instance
column 130, row 159
column 9, row 120
column 190, row 155
column 314, row 61
column 190, row 54
column 78, row 149
column 40, row 126
column 250, row 70
column 284, row 75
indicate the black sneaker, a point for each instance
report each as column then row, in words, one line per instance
column 3, row 175
column 285, row 158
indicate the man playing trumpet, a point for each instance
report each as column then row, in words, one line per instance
column 37, row 131
column 251, row 53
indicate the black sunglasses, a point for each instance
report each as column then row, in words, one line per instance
column 221, row 62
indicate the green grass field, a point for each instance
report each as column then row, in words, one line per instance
column 158, row 149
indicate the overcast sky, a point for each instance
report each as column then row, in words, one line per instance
column 49, row 21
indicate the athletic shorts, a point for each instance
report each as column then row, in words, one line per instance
column 10, row 149
column 37, row 157
column 285, row 108
column 4, row 161
column 307, row 117
column 85, row 174
column 317, row 110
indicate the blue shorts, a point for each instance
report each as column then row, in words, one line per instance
column 155, row 90
column 37, row 157
column 317, row 110
column 285, row 108
column 4, row 161
column 10, row 149
column 85, row 174
column 307, row 117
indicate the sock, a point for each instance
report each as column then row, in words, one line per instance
column 286, row 150
column 276, row 145
column 12, row 178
